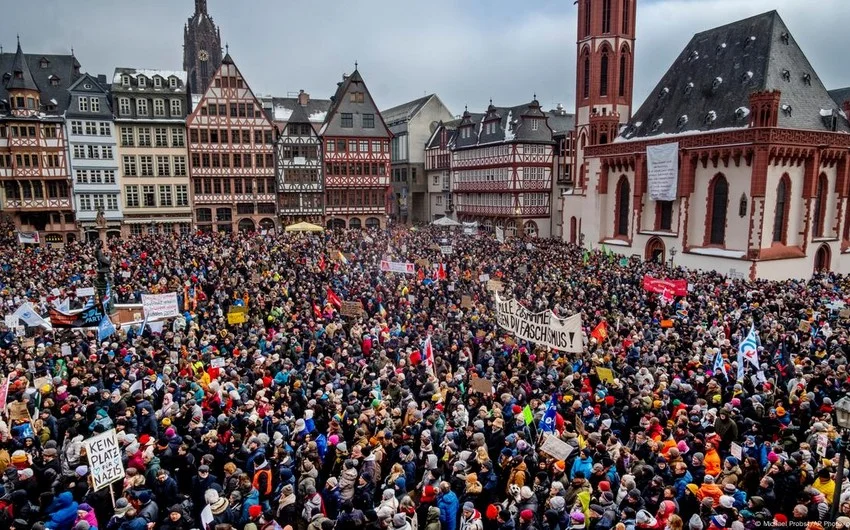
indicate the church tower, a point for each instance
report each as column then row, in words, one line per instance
column 201, row 48
column 604, row 70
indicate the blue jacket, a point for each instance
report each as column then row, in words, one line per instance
column 253, row 499
column 681, row 484
column 448, row 505
column 62, row 512
column 585, row 465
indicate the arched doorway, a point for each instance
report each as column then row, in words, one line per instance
column 823, row 257
column 246, row 225
column 530, row 229
column 266, row 224
column 655, row 250
column 92, row 236
column 573, row 230
column 373, row 222
column 354, row 222
column 336, row 223
column 71, row 238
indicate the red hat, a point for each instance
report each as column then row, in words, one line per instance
column 779, row 518
column 255, row 511
column 516, row 409
column 604, row 486
column 429, row 494
column 492, row 512
column 526, row 515
column 144, row 439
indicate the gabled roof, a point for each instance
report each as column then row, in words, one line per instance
column 282, row 109
column 513, row 125
column 560, row 121
column 84, row 79
column 451, row 130
column 21, row 76
column 405, row 111
column 341, row 103
column 64, row 69
column 709, row 84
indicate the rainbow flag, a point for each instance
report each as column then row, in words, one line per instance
column 382, row 311
column 342, row 257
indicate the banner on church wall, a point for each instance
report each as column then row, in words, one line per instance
column 662, row 164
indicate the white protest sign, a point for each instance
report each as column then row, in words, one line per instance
column 11, row 321
column 157, row 306
column 662, row 163
column 556, row 447
column 484, row 278
column 398, row 266
column 446, row 249
column 82, row 292
column 217, row 362
column 104, row 456
column 66, row 349
column 543, row 328
column 736, row 451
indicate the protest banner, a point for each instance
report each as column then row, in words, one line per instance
column 237, row 318
column 481, row 385
column 398, row 266
column 351, row 308
column 446, row 250
column 217, row 362
column 159, row 306
column 11, row 321
column 661, row 286
column 18, row 411
column 606, row 375
column 544, row 328
column 104, row 456
column 83, row 292
column 559, row 449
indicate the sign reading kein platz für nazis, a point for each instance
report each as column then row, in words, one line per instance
column 104, row 455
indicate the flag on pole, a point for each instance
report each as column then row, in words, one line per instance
column 547, row 423
column 600, row 332
column 317, row 311
column 382, row 311
column 718, row 364
column 322, row 264
column 749, row 347
column 428, row 350
column 342, row 257
column 528, row 415
column 585, row 257
column 333, row 298
column 105, row 329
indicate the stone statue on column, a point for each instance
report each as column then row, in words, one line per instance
column 104, row 276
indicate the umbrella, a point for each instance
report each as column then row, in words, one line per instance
column 304, row 227
column 445, row 221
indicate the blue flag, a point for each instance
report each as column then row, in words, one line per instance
column 718, row 364
column 105, row 329
column 547, row 423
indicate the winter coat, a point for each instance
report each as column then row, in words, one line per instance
column 585, row 465
column 347, row 480
column 432, row 522
column 62, row 512
column 448, row 505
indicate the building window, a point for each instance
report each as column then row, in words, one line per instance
column 742, row 206
column 585, row 91
column 83, row 103
column 165, row 195
column 718, row 194
column 586, row 17
column 346, row 120
column 129, row 166
column 182, row 194
column 142, row 81
column 625, row 16
column 124, row 106
column 163, row 168
column 606, row 16
column 76, row 127
column 820, row 206
column 603, row 74
column 132, row 195
column 91, row 128
column 112, row 203
column 161, row 136
column 106, row 152
column 126, row 136
column 149, row 195
column 85, row 203
column 535, row 124
column 621, row 221
column 141, row 105
column 159, row 107
column 223, row 214
column 176, row 107
column 95, row 104
column 368, row 121
column 146, row 165
column 144, row 137
column 178, row 139
column 180, row 166
column 665, row 215
column 623, row 66
column 780, row 215
column 105, row 129
column 157, row 82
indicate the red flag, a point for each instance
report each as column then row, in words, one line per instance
column 420, row 275
column 322, row 263
column 333, row 298
column 317, row 311
column 441, row 272
column 600, row 332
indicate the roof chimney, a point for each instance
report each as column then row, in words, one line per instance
column 303, row 98
column 101, row 79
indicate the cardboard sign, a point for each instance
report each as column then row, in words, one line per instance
column 217, row 362
column 351, row 308
column 466, row 301
column 11, row 321
column 559, row 449
column 236, row 318
column 104, row 456
column 666, row 324
column 844, row 313
column 18, row 411
column 804, row 326
column 495, row 285
column 736, row 451
column 481, row 385
column 39, row 382
column 424, row 263
column 484, row 278
column 82, row 292
column 606, row 375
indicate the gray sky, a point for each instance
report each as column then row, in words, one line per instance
column 467, row 51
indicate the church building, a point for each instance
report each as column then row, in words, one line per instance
column 201, row 48
column 736, row 162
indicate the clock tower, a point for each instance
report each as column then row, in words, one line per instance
column 201, row 48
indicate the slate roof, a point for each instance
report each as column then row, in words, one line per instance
column 64, row 68
column 511, row 126
column 21, row 76
column 840, row 95
column 451, row 128
column 405, row 111
column 560, row 121
column 717, row 71
column 282, row 109
column 342, row 104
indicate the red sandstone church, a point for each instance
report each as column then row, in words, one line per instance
column 737, row 161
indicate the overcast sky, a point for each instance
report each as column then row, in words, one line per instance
column 467, row 51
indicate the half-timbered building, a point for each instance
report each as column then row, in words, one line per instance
column 231, row 148
column 36, row 184
column 438, row 170
column 501, row 169
column 357, row 158
column 299, row 170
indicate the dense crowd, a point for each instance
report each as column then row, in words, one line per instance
column 319, row 421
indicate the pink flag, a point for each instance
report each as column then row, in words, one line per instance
column 429, row 356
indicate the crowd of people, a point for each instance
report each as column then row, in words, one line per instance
column 316, row 420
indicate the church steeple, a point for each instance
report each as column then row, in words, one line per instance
column 201, row 48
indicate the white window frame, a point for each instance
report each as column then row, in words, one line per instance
column 83, row 104
column 77, row 127
column 181, row 195
column 131, row 195
column 142, row 107
column 125, row 80
column 176, row 107
column 104, row 129
column 112, row 203
column 178, row 137
column 166, row 196
column 157, row 82
column 94, row 102
column 535, row 124
column 85, row 203
column 172, row 82
column 159, row 107
column 124, row 107
column 142, row 81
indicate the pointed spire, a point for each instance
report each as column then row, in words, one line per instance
column 227, row 58
column 21, row 75
column 200, row 7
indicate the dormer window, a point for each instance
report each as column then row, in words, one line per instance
column 689, row 88
column 142, row 81
column 172, row 82
column 683, row 120
column 54, row 81
column 157, row 82
column 785, row 38
column 43, row 63
column 711, row 117
column 807, row 79
column 125, row 80
column 535, row 124
column 716, row 83
column 693, row 56
column 787, row 110
column 786, row 75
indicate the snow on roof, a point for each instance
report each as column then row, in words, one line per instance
column 282, row 113
column 718, row 252
column 318, row 117
column 179, row 74
column 620, row 139
column 53, row 101
column 826, row 112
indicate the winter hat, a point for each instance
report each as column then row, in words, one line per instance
column 121, row 506
column 644, row 517
column 504, row 515
column 82, row 525
column 468, row 507
column 699, row 457
column 695, row 523
column 525, row 493
column 526, row 515
column 726, row 501
column 557, row 503
column 604, row 486
column 429, row 493
column 682, row 446
column 719, row 520
column 729, row 488
column 560, row 465
column 255, row 511
column 577, row 517
column 399, row 520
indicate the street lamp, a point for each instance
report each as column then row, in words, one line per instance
column 842, row 418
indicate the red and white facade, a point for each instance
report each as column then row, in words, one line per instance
column 356, row 152
column 231, row 152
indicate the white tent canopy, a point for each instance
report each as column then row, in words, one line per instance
column 445, row 221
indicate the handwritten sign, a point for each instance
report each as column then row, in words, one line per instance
column 736, row 451
column 484, row 278
column 217, row 362
column 446, row 250
column 236, row 318
column 466, row 301
column 495, row 285
column 606, row 375
column 552, row 445
column 351, row 308
column 481, row 385
column 104, row 456
column 18, row 411
column 82, row 292
column 159, row 306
